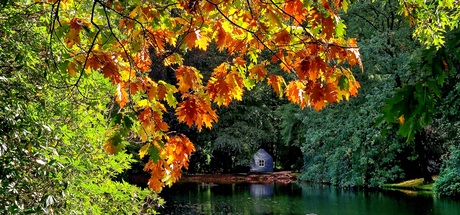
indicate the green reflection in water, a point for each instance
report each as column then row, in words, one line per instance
column 188, row 198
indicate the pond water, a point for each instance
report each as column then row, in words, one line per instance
column 299, row 198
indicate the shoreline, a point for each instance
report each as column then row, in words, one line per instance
column 283, row 177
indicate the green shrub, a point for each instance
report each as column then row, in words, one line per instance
column 448, row 181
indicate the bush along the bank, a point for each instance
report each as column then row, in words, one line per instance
column 448, row 181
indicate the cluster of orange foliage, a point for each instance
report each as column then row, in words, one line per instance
column 121, row 37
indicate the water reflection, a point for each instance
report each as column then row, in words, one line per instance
column 261, row 190
column 299, row 199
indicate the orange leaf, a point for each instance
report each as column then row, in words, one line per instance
column 159, row 123
column 190, row 39
column 282, row 37
column 295, row 93
column 152, row 92
column 72, row 69
column 328, row 27
column 258, row 72
column 110, row 71
column 287, row 61
column 142, row 60
column 354, row 85
column 401, row 120
column 239, row 61
column 296, row 9
column 121, row 96
column 194, row 110
column 218, row 90
column 188, row 78
column 223, row 87
column 235, row 83
column 320, row 94
column 221, row 36
column 109, row 148
column 208, row 6
column 94, row 62
column 145, row 116
column 187, row 111
column 162, row 91
column 126, row 23
column 134, row 87
column 73, row 36
column 156, row 174
column 276, row 82
column 223, row 90
column 174, row 156
column 118, row 7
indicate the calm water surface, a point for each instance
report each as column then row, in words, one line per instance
column 297, row 198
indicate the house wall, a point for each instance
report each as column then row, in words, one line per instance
column 268, row 160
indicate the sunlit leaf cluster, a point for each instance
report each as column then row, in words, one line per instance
column 120, row 38
column 432, row 19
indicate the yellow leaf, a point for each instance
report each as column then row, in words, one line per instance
column 134, row 12
column 142, row 104
column 144, row 150
column 72, row 38
column 202, row 41
column 142, row 134
column 273, row 18
column 401, row 120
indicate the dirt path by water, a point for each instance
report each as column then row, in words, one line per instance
column 278, row 177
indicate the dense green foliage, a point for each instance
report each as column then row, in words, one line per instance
column 447, row 126
column 51, row 156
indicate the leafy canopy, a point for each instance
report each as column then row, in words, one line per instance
column 435, row 25
column 120, row 38
column 432, row 19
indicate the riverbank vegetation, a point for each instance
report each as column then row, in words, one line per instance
column 95, row 95
column 414, row 184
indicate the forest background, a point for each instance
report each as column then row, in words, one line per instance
column 86, row 104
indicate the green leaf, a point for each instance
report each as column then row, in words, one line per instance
column 19, row 57
column 343, row 82
column 171, row 100
column 127, row 122
column 340, row 29
column 154, row 154
column 116, row 120
column 249, row 83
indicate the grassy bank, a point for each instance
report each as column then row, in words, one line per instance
column 414, row 184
